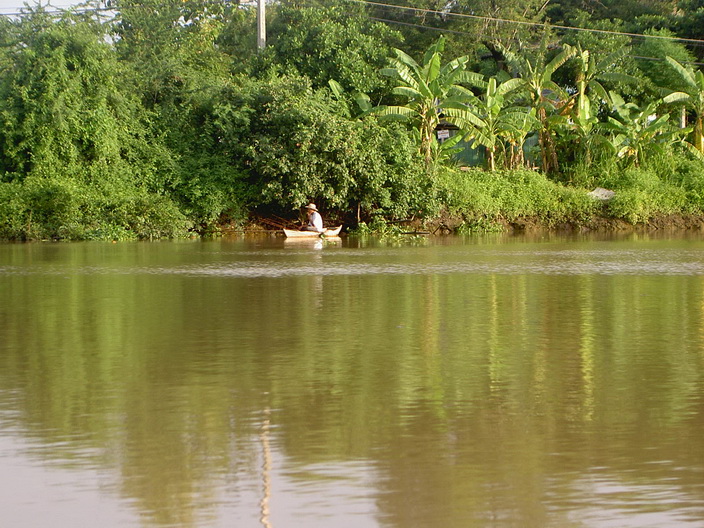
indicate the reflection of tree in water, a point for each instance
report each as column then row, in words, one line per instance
column 458, row 390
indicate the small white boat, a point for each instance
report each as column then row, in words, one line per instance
column 330, row 232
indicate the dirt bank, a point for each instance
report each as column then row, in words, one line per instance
column 448, row 225
column 675, row 222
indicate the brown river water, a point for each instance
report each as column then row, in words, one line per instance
column 498, row 381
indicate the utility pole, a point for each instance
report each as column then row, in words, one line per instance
column 261, row 25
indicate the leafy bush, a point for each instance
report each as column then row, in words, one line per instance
column 648, row 197
column 687, row 174
column 12, row 211
column 295, row 146
column 66, row 209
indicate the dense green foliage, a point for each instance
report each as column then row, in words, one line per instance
column 162, row 119
column 300, row 147
column 77, row 160
column 508, row 195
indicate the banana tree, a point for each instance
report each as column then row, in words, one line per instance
column 523, row 122
column 692, row 97
column 431, row 89
column 503, row 123
column 581, row 133
column 637, row 132
column 590, row 75
column 545, row 95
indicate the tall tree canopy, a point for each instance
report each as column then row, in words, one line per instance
column 62, row 106
column 338, row 43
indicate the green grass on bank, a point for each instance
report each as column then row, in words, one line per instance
column 73, row 209
column 474, row 194
column 480, row 198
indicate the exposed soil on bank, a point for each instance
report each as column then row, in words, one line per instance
column 675, row 222
column 448, row 225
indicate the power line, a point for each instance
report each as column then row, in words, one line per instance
column 444, row 14
column 698, row 42
column 544, row 25
column 431, row 28
column 659, row 59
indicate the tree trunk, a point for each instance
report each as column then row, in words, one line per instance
column 427, row 129
column 496, row 55
column 547, row 146
column 517, row 159
column 548, row 152
column 492, row 164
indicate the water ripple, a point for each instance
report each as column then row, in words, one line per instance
column 336, row 263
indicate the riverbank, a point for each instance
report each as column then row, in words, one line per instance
column 456, row 225
column 663, row 222
column 454, row 202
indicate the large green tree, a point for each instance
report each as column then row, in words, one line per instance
column 472, row 27
column 176, row 56
column 688, row 21
column 339, row 43
column 170, row 48
column 62, row 105
column 293, row 144
column 654, row 49
column 76, row 151
column 566, row 11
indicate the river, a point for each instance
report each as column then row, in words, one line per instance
column 498, row 381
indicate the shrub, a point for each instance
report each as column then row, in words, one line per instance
column 13, row 211
column 67, row 209
column 296, row 145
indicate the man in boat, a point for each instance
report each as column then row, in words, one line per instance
column 315, row 221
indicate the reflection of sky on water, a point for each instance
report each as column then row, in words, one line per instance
column 36, row 494
column 340, row 494
column 604, row 500
column 348, row 262
column 67, row 494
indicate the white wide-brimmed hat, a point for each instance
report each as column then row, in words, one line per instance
column 311, row 206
